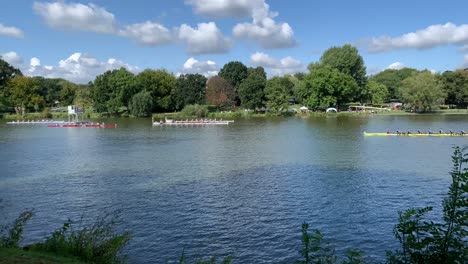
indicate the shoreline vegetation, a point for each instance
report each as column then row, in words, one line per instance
column 234, row 114
column 421, row 240
column 338, row 80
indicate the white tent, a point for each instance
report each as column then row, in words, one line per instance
column 331, row 109
column 304, row 108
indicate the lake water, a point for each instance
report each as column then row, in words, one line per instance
column 242, row 189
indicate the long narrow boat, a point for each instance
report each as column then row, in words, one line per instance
column 201, row 122
column 415, row 134
column 79, row 125
column 35, row 122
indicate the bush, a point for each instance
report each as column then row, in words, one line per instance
column 98, row 243
column 195, row 111
column 15, row 232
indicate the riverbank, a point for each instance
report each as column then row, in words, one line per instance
column 233, row 114
column 17, row 256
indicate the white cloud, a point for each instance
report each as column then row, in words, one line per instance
column 465, row 61
column 225, row 8
column 287, row 65
column 148, row 33
column 11, row 31
column 206, row 38
column 206, row 68
column 263, row 29
column 396, row 66
column 78, row 67
column 430, row 37
column 12, row 58
column 76, row 16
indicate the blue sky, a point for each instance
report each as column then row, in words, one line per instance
column 77, row 40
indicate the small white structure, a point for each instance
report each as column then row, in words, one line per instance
column 331, row 109
column 304, row 109
column 74, row 112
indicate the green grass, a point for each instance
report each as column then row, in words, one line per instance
column 19, row 256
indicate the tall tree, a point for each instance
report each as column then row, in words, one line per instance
column 24, row 93
column 455, row 85
column 113, row 90
column 160, row 84
column 190, row 89
column 141, row 104
column 251, row 90
column 68, row 93
column 7, row 72
column 422, row 92
column 346, row 59
column 219, row 92
column 325, row 87
column 277, row 94
column 234, row 72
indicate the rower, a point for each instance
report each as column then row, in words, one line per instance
column 409, row 132
column 398, row 132
column 429, row 131
column 419, row 131
column 462, row 132
column 388, row 131
column 451, row 132
column 440, row 131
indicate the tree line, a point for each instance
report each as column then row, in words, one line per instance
column 337, row 79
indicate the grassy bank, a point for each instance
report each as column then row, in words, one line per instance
column 19, row 256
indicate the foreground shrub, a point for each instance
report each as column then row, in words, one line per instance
column 97, row 243
column 12, row 237
column 195, row 111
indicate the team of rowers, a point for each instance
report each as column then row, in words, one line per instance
column 462, row 132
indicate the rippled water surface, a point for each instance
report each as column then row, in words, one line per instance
column 241, row 190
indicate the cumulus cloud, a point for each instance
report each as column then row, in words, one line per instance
column 206, row 68
column 265, row 30
column 287, row 65
column 465, row 62
column 206, row 38
column 78, row 67
column 231, row 8
column 430, row 37
column 76, row 16
column 396, row 66
column 12, row 58
column 11, row 31
column 148, row 33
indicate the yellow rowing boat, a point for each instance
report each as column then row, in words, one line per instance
column 415, row 134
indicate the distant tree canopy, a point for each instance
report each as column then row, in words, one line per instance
column 455, row 85
column 392, row 80
column 346, row 59
column 7, row 72
column 277, row 94
column 141, row 104
column 378, row 92
column 325, row 87
column 160, row 84
column 251, row 89
column 234, row 72
column 24, row 93
column 190, row 89
column 422, row 92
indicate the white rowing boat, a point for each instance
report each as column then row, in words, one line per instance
column 35, row 122
column 193, row 122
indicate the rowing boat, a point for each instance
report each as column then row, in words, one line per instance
column 415, row 135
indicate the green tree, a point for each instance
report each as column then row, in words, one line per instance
column 113, row 90
column 190, row 89
column 50, row 89
column 422, row 92
column 324, row 87
column 277, row 94
column 392, row 80
column 83, row 96
column 455, row 85
column 428, row 242
column 234, row 72
column 378, row 92
column 24, row 93
column 7, row 72
column 141, row 104
column 219, row 92
column 346, row 59
column 68, row 93
column 251, row 90
column 160, row 84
